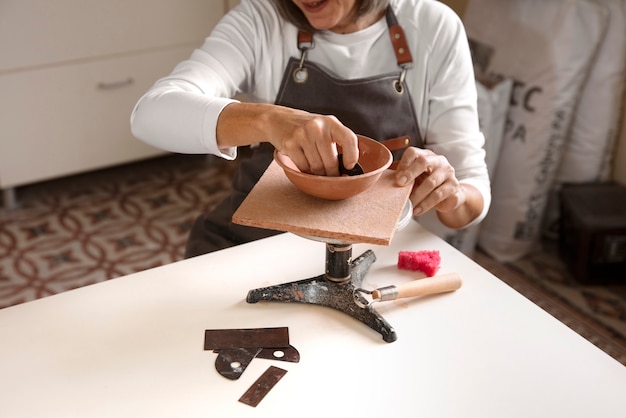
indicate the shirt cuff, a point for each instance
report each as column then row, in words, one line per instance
column 209, row 127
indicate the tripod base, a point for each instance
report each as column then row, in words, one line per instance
column 335, row 289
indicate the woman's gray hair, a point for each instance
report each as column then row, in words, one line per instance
column 293, row 14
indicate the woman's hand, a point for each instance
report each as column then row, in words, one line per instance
column 436, row 187
column 310, row 140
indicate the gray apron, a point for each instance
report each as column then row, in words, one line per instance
column 379, row 107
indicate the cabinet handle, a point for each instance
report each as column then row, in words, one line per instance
column 115, row 84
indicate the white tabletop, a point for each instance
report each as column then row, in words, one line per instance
column 133, row 346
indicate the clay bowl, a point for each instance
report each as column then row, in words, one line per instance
column 374, row 157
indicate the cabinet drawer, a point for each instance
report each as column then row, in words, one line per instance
column 68, row 119
column 39, row 32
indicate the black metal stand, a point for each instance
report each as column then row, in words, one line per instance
column 334, row 289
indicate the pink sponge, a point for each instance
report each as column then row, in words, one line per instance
column 424, row 261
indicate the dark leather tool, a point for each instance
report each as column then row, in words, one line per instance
column 354, row 171
column 236, row 348
column 262, row 386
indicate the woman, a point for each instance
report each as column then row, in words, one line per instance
column 316, row 73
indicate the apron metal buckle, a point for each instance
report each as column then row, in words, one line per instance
column 301, row 74
column 398, row 85
column 305, row 42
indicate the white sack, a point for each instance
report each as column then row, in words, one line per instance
column 493, row 107
column 546, row 47
column 588, row 153
column 493, row 103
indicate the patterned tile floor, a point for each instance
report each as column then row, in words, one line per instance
column 86, row 229
column 89, row 228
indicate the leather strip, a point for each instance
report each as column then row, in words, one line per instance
column 397, row 143
column 262, row 386
column 305, row 40
column 398, row 39
column 218, row 339
column 400, row 46
column 232, row 362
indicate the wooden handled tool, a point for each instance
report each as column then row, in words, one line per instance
column 427, row 286
column 421, row 287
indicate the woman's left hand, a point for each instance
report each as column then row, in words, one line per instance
column 436, row 187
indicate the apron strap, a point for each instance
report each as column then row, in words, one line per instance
column 305, row 40
column 395, row 144
column 398, row 41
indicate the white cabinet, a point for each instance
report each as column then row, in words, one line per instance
column 71, row 71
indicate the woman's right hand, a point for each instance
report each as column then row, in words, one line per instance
column 310, row 140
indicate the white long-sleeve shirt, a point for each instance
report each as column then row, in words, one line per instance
column 247, row 53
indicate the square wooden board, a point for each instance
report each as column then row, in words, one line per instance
column 370, row 217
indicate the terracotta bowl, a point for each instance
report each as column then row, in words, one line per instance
column 374, row 157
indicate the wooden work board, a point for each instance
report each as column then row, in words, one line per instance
column 370, row 217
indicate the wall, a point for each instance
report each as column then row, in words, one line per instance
column 457, row 5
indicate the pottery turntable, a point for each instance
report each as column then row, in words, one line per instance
column 370, row 217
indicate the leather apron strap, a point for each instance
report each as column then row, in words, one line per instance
column 379, row 107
